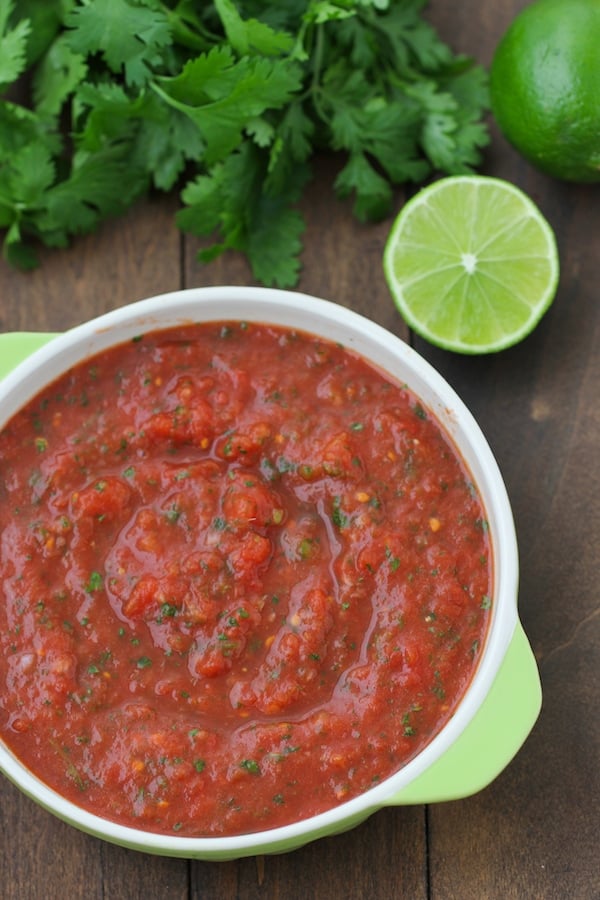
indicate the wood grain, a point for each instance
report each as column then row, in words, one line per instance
column 127, row 259
column 531, row 834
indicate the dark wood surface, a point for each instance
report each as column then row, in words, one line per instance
column 534, row 832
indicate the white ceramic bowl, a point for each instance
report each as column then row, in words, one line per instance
column 429, row 776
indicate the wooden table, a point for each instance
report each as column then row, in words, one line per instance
column 534, row 832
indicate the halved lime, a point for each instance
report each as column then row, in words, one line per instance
column 471, row 263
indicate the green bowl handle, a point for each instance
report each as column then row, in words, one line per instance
column 491, row 739
column 17, row 345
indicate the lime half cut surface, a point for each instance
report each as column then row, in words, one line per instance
column 472, row 264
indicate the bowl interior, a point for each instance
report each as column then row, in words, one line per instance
column 395, row 358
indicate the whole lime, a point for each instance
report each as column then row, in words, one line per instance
column 545, row 87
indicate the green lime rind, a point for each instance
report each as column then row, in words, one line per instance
column 544, row 85
column 471, row 264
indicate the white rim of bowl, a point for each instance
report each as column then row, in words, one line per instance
column 392, row 355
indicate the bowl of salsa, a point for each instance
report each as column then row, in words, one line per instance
column 259, row 576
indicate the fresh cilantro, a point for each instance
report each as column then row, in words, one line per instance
column 251, row 36
column 13, row 44
column 339, row 518
column 228, row 102
column 223, row 95
column 130, row 37
column 95, row 583
column 144, row 662
column 57, row 77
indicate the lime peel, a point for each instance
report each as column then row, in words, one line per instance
column 544, row 81
column 472, row 264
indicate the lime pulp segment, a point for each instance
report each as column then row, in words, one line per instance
column 471, row 264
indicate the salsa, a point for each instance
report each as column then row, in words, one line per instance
column 245, row 577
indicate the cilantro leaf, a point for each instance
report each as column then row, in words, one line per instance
column 470, row 90
column 20, row 126
column 223, row 95
column 250, row 35
column 130, row 36
column 28, row 151
column 373, row 192
column 165, row 141
column 233, row 201
column 415, row 45
column 321, row 11
column 105, row 113
column 290, row 149
column 32, row 171
column 58, row 75
column 16, row 251
column 44, row 18
column 99, row 185
column 13, row 43
column 439, row 123
column 203, row 199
